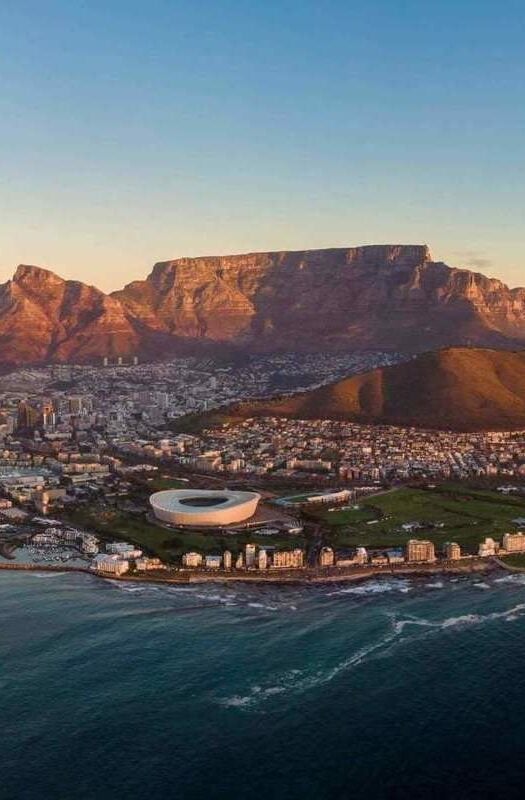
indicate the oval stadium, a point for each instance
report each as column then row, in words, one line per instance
column 202, row 507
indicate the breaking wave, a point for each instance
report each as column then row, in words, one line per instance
column 46, row 574
column 299, row 681
column 463, row 620
column 374, row 587
column 516, row 578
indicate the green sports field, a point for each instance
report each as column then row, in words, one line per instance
column 450, row 512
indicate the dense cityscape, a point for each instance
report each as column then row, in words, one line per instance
column 97, row 441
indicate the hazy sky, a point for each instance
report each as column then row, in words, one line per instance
column 132, row 132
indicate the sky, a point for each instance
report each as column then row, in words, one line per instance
column 134, row 132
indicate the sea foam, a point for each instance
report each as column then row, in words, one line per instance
column 299, row 681
column 372, row 587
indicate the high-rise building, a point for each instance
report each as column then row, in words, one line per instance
column 326, row 557
column 514, row 542
column 239, row 563
column 250, row 556
column 113, row 565
column 288, row 559
column 143, row 397
column 420, row 550
column 28, row 416
column 48, row 414
column 76, row 404
column 487, row 548
column 192, row 559
column 262, row 560
column 452, row 551
column 162, row 399
column 227, row 559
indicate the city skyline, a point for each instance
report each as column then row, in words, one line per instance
column 136, row 135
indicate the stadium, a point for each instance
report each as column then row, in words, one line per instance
column 202, row 508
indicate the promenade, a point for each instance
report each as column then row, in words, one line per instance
column 305, row 575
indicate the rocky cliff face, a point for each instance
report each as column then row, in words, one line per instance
column 43, row 317
column 386, row 296
column 391, row 296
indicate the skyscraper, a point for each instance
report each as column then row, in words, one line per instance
column 27, row 416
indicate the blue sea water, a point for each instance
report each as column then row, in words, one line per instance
column 392, row 688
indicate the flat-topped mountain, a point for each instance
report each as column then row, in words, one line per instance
column 457, row 389
column 391, row 297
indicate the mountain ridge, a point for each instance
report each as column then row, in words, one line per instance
column 391, row 297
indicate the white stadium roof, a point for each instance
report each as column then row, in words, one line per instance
column 203, row 507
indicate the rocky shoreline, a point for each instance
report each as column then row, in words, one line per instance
column 305, row 576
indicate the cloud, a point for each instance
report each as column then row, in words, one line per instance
column 474, row 259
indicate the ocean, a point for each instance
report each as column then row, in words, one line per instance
column 393, row 688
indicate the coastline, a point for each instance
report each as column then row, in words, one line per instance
column 306, row 576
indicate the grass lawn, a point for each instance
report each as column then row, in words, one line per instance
column 347, row 516
column 515, row 560
column 120, row 525
column 159, row 483
column 166, row 544
column 467, row 515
